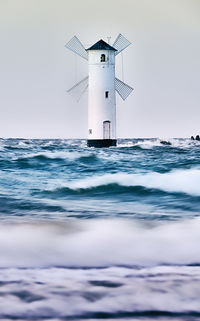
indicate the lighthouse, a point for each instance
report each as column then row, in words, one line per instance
column 101, row 95
column 102, row 86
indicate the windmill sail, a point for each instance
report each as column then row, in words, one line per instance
column 120, row 43
column 123, row 89
column 78, row 89
column 76, row 46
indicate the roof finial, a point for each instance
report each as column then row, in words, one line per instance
column 109, row 39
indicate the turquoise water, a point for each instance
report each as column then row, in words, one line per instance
column 89, row 234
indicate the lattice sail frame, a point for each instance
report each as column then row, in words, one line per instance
column 120, row 43
column 78, row 89
column 77, row 47
column 122, row 89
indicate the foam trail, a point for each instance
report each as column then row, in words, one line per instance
column 158, row 142
column 144, row 144
column 98, row 243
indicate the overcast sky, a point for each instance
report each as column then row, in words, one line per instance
column 162, row 64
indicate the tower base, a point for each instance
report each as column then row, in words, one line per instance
column 101, row 142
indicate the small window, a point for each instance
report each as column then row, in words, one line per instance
column 106, row 94
column 90, row 131
column 103, row 58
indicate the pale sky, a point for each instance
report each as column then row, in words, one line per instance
column 162, row 64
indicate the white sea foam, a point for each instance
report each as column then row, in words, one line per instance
column 183, row 143
column 183, row 181
column 145, row 144
column 66, row 155
column 99, row 243
column 148, row 144
column 160, row 142
column 67, row 292
column 62, row 293
column 22, row 144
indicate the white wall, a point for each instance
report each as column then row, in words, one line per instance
column 101, row 79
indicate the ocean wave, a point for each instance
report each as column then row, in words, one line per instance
column 158, row 142
column 144, row 144
column 56, row 155
column 112, row 189
column 99, row 243
column 177, row 181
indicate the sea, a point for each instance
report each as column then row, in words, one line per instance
column 93, row 234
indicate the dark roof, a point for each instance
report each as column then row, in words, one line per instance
column 101, row 45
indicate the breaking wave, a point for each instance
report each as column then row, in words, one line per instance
column 177, row 181
column 63, row 155
column 158, row 142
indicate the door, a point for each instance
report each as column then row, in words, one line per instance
column 106, row 129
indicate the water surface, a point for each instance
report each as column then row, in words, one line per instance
column 91, row 234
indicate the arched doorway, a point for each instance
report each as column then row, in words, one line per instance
column 106, row 129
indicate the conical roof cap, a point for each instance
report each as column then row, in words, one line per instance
column 101, row 45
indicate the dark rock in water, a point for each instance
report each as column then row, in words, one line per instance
column 196, row 138
column 164, row 142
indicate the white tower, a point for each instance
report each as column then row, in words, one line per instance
column 101, row 84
